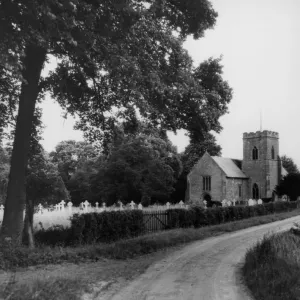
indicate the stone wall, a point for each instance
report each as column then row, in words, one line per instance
column 232, row 189
column 206, row 166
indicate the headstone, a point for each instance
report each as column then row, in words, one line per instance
column 121, row 205
column 104, row 206
column 1, row 207
column 168, row 205
column 229, row 203
column 205, row 203
column 140, row 206
column 224, row 202
column 86, row 204
column 97, row 205
column 81, row 205
column 233, row 202
column 181, row 203
column 284, row 198
column 259, row 202
column 250, row 202
column 56, row 206
column 70, row 204
column 132, row 205
column 63, row 203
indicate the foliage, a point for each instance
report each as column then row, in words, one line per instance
column 70, row 155
column 111, row 55
column 44, row 183
column 289, row 185
column 106, row 226
column 289, row 165
column 271, row 268
column 142, row 168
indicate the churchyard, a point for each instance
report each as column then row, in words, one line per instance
column 60, row 214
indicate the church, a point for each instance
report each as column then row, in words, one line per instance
column 255, row 176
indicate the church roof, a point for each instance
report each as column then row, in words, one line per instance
column 284, row 172
column 229, row 166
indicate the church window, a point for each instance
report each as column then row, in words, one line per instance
column 255, row 153
column 206, row 183
column 255, row 191
column 240, row 190
column 273, row 152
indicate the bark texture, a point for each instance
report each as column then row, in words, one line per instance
column 12, row 225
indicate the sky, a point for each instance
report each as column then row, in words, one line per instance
column 259, row 43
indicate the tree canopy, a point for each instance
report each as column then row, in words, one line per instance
column 142, row 168
column 114, row 59
column 289, row 185
column 289, row 165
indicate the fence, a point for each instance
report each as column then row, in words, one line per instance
column 155, row 220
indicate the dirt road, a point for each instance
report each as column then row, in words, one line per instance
column 204, row 270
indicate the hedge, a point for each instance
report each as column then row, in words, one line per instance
column 115, row 225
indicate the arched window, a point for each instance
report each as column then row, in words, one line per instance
column 255, row 191
column 273, row 152
column 255, row 153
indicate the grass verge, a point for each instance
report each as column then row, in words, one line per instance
column 272, row 267
column 12, row 256
column 52, row 289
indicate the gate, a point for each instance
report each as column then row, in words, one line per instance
column 155, row 220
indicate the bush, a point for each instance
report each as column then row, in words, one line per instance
column 271, row 268
column 54, row 235
column 106, row 226
column 180, row 218
column 115, row 225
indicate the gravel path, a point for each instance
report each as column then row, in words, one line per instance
column 204, row 270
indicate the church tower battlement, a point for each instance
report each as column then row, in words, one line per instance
column 261, row 162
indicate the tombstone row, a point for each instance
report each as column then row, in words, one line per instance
column 87, row 205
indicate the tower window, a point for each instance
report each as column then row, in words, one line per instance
column 273, row 152
column 255, row 191
column 255, row 153
column 206, row 183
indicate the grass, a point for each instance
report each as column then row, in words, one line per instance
column 12, row 256
column 272, row 267
column 51, row 289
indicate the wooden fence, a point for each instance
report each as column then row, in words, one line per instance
column 155, row 220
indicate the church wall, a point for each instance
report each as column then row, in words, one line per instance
column 232, row 189
column 205, row 167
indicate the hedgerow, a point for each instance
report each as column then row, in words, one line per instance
column 111, row 226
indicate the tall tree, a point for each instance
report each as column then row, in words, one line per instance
column 105, row 48
column 289, row 185
column 289, row 165
column 142, row 168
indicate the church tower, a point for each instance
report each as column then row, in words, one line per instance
column 261, row 162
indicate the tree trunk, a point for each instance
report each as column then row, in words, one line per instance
column 12, row 225
column 28, row 238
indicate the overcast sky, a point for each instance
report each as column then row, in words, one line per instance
column 260, row 46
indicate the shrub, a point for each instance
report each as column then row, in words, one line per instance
column 107, row 226
column 54, row 235
column 180, row 218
